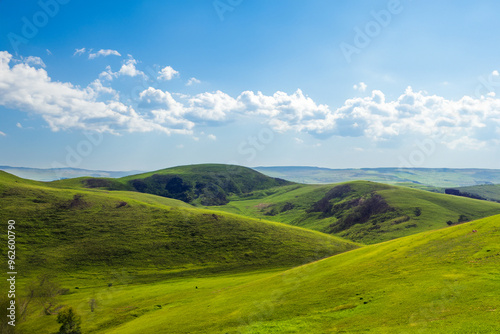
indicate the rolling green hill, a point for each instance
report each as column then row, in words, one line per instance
column 444, row 281
column 91, row 237
column 361, row 211
column 93, row 230
column 132, row 262
column 205, row 184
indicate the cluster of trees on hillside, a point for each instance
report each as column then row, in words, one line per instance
column 456, row 192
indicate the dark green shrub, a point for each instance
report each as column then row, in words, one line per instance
column 417, row 211
column 70, row 322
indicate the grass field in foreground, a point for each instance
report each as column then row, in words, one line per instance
column 444, row 281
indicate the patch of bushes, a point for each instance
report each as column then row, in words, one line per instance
column 272, row 212
column 97, row 183
column 417, row 211
column 362, row 211
column 324, row 205
column 456, row 192
column 287, row 207
column 76, row 203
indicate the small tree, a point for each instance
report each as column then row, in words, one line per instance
column 70, row 322
column 43, row 291
column 92, row 304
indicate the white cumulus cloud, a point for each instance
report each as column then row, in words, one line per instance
column 101, row 53
column 167, row 73
column 128, row 68
column 31, row 60
column 465, row 123
column 192, row 81
column 298, row 140
column 65, row 106
column 360, row 87
column 214, row 106
column 79, row 51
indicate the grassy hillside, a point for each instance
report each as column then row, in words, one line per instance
column 362, row 211
column 88, row 238
column 444, row 281
column 91, row 230
column 434, row 177
column 205, row 184
column 130, row 262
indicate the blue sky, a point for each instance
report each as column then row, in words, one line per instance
column 144, row 85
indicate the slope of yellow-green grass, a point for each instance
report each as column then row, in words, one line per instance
column 444, row 281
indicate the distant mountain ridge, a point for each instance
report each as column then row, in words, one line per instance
column 420, row 177
column 417, row 177
column 52, row 174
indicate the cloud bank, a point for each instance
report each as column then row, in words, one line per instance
column 469, row 122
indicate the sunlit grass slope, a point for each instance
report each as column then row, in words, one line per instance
column 444, row 281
